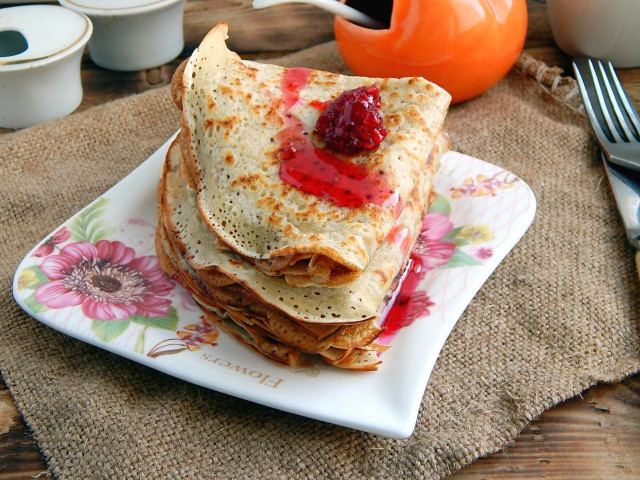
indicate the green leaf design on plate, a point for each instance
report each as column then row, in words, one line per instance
column 451, row 237
column 460, row 259
column 139, row 347
column 440, row 205
column 34, row 305
column 31, row 277
column 88, row 225
column 107, row 330
column 170, row 322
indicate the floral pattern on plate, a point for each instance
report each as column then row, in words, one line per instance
column 96, row 278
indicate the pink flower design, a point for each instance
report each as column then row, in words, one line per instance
column 429, row 245
column 107, row 279
column 46, row 248
column 483, row 253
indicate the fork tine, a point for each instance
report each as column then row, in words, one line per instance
column 629, row 110
column 603, row 106
column 614, row 104
column 595, row 123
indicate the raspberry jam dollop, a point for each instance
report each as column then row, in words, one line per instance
column 317, row 171
column 352, row 123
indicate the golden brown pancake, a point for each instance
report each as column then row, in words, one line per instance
column 233, row 114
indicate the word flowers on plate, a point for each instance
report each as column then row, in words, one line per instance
column 100, row 280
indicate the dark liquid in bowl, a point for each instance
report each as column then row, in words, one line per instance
column 12, row 43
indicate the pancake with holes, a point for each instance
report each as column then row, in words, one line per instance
column 302, row 173
column 280, row 321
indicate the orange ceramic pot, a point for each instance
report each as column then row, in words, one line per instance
column 465, row 46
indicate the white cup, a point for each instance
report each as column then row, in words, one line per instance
column 40, row 51
column 604, row 29
column 132, row 35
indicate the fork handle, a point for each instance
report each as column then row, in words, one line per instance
column 638, row 262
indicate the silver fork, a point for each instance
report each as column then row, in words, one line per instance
column 613, row 118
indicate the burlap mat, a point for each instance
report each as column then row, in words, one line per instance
column 559, row 314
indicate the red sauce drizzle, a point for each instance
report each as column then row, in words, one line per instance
column 318, row 172
column 400, row 236
column 317, row 104
column 407, row 302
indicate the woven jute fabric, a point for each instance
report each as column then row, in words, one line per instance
column 559, row 314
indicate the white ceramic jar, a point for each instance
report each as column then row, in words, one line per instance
column 605, row 29
column 40, row 51
column 132, row 35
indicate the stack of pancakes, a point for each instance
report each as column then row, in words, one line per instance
column 281, row 270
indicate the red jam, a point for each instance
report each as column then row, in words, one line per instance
column 408, row 302
column 400, row 236
column 317, row 171
column 317, row 104
column 352, row 123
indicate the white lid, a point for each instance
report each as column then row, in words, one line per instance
column 115, row 7
column 48, row 29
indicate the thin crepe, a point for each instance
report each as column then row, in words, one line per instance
column 233, row 111
column 240, row 307
column 357, row 302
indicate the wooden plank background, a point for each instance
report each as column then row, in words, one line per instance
column 595, row 435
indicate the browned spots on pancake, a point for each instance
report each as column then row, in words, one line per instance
column 383, row 84
column 289, row 231
column 248, row 71
column 272, row 159
column 270, row 203
column 315, row 237
column 235, row 262
column 208, row 123
column 273, row 116
column 248, row 96
column 394, row 94
column 285, row 190
column 246, row 180
column 382, row 274
column 422, row 99
column 236, row 82
column 226, row 90
column 272, row 162
column 211, row 103
column 413, row 81
column 228, row 122
column 413, row 113
column 229, row 159
column 274, row 219
column 394, row 119
column 326, row 83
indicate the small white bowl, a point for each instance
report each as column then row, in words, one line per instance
column 40, row 51
column 131, row 35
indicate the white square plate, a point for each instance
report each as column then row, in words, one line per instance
column 480, row 213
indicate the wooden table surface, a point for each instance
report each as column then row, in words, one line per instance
column 594, row 435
